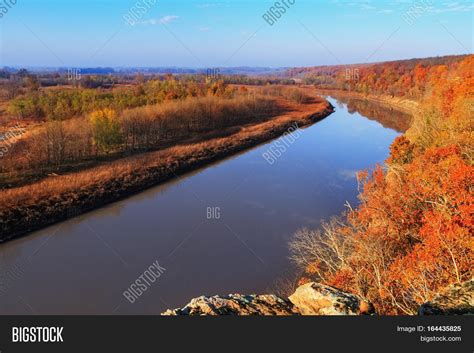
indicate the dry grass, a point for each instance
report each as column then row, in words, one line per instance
column 68, row 145
column 31, row 207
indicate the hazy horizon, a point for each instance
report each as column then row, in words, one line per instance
column 197, row 68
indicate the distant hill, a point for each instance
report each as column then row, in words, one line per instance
column 240, row 70
column 401, row 78
column 301, row 72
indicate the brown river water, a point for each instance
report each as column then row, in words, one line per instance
column 222, row 229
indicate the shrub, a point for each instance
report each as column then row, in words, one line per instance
column 297, row 96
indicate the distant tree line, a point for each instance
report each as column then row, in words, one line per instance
column 31, row 102
column 405, row 78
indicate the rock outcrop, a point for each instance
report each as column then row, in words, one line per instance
column 319, row 299
column 309, row 299
column 236, row 304
column 457, row 299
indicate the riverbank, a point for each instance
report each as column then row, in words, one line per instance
column 397, row 103
column 414, row 222
column 29, row 208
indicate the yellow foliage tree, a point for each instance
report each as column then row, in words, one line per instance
column 106, row 129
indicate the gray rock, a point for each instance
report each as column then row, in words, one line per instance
column 309, row 299
column 319, row 299
column 236, row 304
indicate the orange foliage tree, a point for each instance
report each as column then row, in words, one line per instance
column 412, row 234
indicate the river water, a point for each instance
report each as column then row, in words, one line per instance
column 223, row 229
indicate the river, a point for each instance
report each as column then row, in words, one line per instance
column 223, row 229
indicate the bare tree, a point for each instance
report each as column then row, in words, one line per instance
column 328, row 248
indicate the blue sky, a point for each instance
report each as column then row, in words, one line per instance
column 193, row 33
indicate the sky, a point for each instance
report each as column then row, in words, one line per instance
column 193, row 33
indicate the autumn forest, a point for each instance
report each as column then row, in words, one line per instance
column 412, row 233
column 87, row 143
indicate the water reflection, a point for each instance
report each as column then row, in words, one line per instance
column 83, row 266
column 387, row 116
